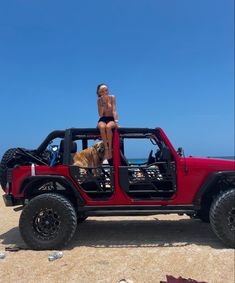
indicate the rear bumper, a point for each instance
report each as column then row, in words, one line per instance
column 9, row 200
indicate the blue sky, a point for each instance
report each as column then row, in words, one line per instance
column 170, row 64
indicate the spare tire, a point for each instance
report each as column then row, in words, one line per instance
column 6, row 163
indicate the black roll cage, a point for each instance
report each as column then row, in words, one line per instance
column 71, row 134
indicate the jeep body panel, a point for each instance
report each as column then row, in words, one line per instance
column 193, row 172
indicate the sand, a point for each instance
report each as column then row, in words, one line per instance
column 108, row 249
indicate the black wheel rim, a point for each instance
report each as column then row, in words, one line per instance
column 47, row 223
column 231, row 219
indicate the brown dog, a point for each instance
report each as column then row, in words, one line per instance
column 90, row 157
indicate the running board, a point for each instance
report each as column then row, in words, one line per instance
column 132, row 211
column 135, row 212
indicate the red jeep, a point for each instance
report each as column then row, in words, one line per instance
column 55, row 195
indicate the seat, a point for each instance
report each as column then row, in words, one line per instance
column 150, row 159
column 73, row 147
column 61, row 150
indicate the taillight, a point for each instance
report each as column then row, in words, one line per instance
column 9, row 180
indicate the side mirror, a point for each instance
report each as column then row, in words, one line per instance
column 180, row 151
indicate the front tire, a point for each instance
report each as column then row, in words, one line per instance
column 48, row 221
column 222, row 217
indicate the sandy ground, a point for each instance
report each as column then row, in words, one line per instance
column 108, row 249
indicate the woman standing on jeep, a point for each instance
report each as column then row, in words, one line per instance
column 108, row 117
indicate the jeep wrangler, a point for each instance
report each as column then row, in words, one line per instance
column 55, row 195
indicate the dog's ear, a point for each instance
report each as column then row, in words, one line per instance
column 101, row 147
column 97, row 145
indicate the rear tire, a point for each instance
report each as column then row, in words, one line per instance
column 222, row 217
column 49, row 221
column 8, row 155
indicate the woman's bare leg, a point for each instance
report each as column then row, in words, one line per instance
column 111, row 125
column 102, row 127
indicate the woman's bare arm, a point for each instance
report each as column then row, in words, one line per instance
column 115, row 114
column 100, row 107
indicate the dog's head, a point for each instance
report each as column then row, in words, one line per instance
column 99, row 147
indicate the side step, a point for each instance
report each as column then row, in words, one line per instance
column 135, row 211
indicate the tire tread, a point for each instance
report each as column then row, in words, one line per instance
column 217, row 209
column 53, row 197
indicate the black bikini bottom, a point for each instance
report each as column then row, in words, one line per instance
column 106, row 119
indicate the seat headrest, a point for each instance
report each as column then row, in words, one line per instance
column 166, row 154
column 73, row 146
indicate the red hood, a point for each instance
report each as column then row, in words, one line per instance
column 212, row 163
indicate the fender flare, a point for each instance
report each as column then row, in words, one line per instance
column 210, row 182
column 30, row 181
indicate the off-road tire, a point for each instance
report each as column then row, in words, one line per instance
column 48, row 221
column 222, row 217
column 8, row 155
